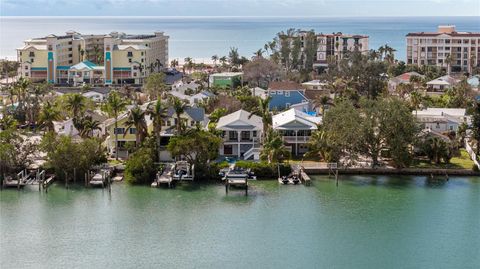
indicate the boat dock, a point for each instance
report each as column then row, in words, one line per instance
column 100, row 179
column 24, row 178
column 297, row 176
column 174, row 172
column 237, row 177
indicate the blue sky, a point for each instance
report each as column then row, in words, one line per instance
column 334, row 8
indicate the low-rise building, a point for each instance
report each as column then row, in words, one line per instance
column 229, row 80
column 441, row 84
column 404, row 78
column 284, row 94
column 241, row 133
column 441, row 119
column 97, row 94
column 296, row 128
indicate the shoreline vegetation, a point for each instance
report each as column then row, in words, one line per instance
column 364, row 127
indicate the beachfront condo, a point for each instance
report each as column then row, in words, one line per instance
column 334, row 46
column 73, row 58
column 454, row 51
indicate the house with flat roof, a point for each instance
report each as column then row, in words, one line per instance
column 295, row 128
column 285, row 94
column 441, row 119
column 229, row 80
column 241, row 134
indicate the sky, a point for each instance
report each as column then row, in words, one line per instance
column 294, row 8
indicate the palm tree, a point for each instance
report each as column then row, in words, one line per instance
column 179, row 107
column 157, row 113
column 48, row 115
column 136, row 117
column 381, row 51
column 215, row 59
column 319, row 146
column 158, row 64
column 258, row 54
column 448, row 62
column 416, row 100
column 322, row 102
column 86, row 126
column 188, row 63
column 263, row 110
column 75, row 103
column 273, row 149
column 174, row 63
column 114, row 105
column 234, row 57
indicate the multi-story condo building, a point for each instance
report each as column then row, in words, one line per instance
column 115, row 58
column 336, row 45
column 446, row 48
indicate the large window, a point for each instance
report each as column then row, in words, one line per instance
column 129, row 54
column 119, row 131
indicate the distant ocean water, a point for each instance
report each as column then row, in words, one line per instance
column 202, row 37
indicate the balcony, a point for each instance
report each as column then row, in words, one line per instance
column 296, row 139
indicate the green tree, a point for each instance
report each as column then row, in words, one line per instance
column 136, row 117
column 155, row 85
column 263, row 111
column 48, row 115
column 273, row 149
column 476, row 125
column 140, row 168
column 76, row 104
column 319, row 146
column 114, row 105
column 179, row 106
column 158, row 113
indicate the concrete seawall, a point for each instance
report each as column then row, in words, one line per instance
column 384, row 171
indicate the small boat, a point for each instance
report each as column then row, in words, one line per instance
column 285, row 180
column 295, row 180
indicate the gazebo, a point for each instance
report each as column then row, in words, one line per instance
column 86, row 71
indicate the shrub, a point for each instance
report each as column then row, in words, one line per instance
column 140, row 168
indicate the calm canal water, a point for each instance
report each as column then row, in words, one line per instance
column 367, row 222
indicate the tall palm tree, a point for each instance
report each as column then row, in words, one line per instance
column 263, row 110
column 416, row 100
column 174, row 63
column 258, row 53
column 188, row 63
column 273, row 149
column 136, row 117
column 448, row 62
column 179, row 106
column 86, row 126
column 234, row 57
column 114, row 105
column 381, row 51
column 76, row 104
column 157, row 113
column 48, row 115
column 223, row 60
column 322, row 102
column 215, row 59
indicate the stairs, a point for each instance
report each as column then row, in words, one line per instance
column 253, row 153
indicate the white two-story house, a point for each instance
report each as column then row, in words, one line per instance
column 296, row 128
column 241, row 135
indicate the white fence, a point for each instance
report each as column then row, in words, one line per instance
column 472, row 153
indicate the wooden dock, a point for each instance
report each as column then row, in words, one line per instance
column 165, row 177
column 25, row 178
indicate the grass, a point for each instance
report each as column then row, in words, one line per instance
column 114, row 162
column 459, row 162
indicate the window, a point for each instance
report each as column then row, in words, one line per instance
column 279, row 92
column 142, row 60
column 287, row 94
column 141, row 53
column 31, row 54
column 69, row 49
column 129, row 54
column 32, row 60
column 129, row 60
column 254, row 133
column 133, row 131
column 438, row 125
column 119, row 131
column 70, row 55
column 26, row 67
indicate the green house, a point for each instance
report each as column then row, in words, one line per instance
column 226, row 80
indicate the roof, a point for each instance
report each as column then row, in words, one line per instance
column 315, row 82
column 37, row 47
column 196, row 113
column 445, row 80
column 184, row 86
column 313, row 94
column 453, row 34
column 84, row 65
column 172, row 76
column 294, row 119
column 67, row 90
column 436, row 112
column 405, row 77
column 240, row 119
column 284, row 85
column 227, row 74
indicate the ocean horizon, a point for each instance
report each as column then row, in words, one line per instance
column 200, row 37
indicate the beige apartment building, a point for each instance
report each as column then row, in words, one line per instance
column 336, row 45
column 446, row 48
column 73, row 58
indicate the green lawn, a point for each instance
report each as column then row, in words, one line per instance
column 461, row 162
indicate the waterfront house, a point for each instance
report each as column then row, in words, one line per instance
column 441, row 84
column 441, row 119
column 229, row 80
column 191, row 117
column 284, row 94
column 404, row 78
column 241, row 135
column 296, row 128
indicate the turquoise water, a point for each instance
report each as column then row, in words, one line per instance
column 367, row 222
column 203, row 37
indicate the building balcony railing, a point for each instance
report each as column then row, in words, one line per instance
column 242, row 140
column 296, row 139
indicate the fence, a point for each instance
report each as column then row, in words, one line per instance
column 472, row 153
